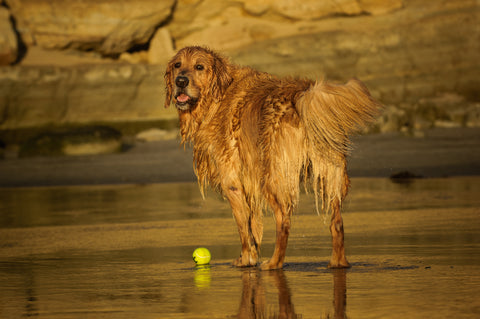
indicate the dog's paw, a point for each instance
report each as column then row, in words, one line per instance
column 271, row 265
column 343, row 263
column 242, row 262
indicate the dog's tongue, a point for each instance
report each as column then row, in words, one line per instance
column 182, row 98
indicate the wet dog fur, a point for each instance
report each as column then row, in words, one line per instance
column 257, row 137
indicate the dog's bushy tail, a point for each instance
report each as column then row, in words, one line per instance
column 330, row 113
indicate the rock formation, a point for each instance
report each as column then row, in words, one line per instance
column 8, row 39
column 109, row 27
column 103, row 61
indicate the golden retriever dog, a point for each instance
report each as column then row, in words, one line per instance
column 257, row 137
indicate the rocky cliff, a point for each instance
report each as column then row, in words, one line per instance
column 102, row 61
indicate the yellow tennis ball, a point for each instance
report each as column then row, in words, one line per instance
column 201, row 256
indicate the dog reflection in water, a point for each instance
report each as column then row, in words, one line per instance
column 253, row 301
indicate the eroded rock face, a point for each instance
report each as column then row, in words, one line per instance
column 227, row 25
column 423, row 50
column 113, row 27
column 413, row 55
column 8, row 39
column 110, row 27
column 42, row 96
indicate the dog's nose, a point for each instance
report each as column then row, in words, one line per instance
column 181, row 81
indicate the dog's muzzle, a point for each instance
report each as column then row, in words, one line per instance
column 183, row 99
column 182, row 81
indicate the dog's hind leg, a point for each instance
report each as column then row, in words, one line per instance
column 250, row 227
column 338, row 259
column 282, row 163
column 283, row 223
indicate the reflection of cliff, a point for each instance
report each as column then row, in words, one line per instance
column 419, row 57
column 253, row 302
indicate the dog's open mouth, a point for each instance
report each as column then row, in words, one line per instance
column 183, row 98
column 184, row 101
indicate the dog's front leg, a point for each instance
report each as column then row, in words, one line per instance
column 250, row 227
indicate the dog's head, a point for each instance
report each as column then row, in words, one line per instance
column 196, row 75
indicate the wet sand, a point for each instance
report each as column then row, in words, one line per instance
column 124, row 251
column 442, row 152
column 112, row 237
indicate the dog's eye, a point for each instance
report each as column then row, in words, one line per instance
column 199, row 67
column 177, row 65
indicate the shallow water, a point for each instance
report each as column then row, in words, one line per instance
column 125, row 252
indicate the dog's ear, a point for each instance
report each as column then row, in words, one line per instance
column 168, row 84
column 222, row 78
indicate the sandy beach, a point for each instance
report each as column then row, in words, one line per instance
column 125, row 251
column 113, row 235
